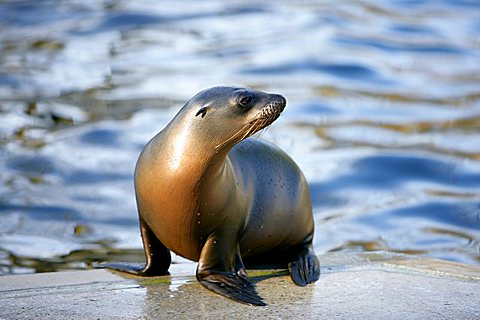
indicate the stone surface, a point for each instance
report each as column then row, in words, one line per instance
column 366, row 286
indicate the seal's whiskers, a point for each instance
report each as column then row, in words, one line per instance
column 232, row 137
column 251, row 130
column 267, row 118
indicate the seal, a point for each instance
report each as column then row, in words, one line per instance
column 211, row 194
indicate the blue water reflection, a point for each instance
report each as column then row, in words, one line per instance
column 348, row 71
column 383, row 116
column 392, row 171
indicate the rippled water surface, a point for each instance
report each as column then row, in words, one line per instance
column 383, row 116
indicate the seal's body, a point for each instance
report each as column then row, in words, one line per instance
column 208, row 193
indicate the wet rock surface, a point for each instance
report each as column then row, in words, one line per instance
column 369, row 286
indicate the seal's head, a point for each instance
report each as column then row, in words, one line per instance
column 228, row 115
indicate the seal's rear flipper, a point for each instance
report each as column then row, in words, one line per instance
column 232, row 286
column 305, row 269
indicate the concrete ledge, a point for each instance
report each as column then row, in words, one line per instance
column 365, row 286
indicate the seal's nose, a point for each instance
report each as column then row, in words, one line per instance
column 279, row 99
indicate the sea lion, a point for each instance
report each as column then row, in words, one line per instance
column 209, row 194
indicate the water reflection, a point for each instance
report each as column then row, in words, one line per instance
column 382, row 171
column 348, row 71
column 383, row 117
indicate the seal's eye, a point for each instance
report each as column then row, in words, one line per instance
column 202, row 111
column 245, row 101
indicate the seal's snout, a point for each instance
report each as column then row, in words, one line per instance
column 274, row 107
column 281, row 99
column 279, row 102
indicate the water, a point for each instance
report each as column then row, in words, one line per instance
column 383, row 116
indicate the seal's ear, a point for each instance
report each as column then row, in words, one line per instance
column 202, row 111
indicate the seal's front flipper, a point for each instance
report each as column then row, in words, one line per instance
column 239, row 267
column 220, row 269
column 231, row 286
column 138, row 270
column 157, row 256
column 305, row 268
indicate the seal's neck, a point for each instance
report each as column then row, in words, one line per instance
column 187, row 153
